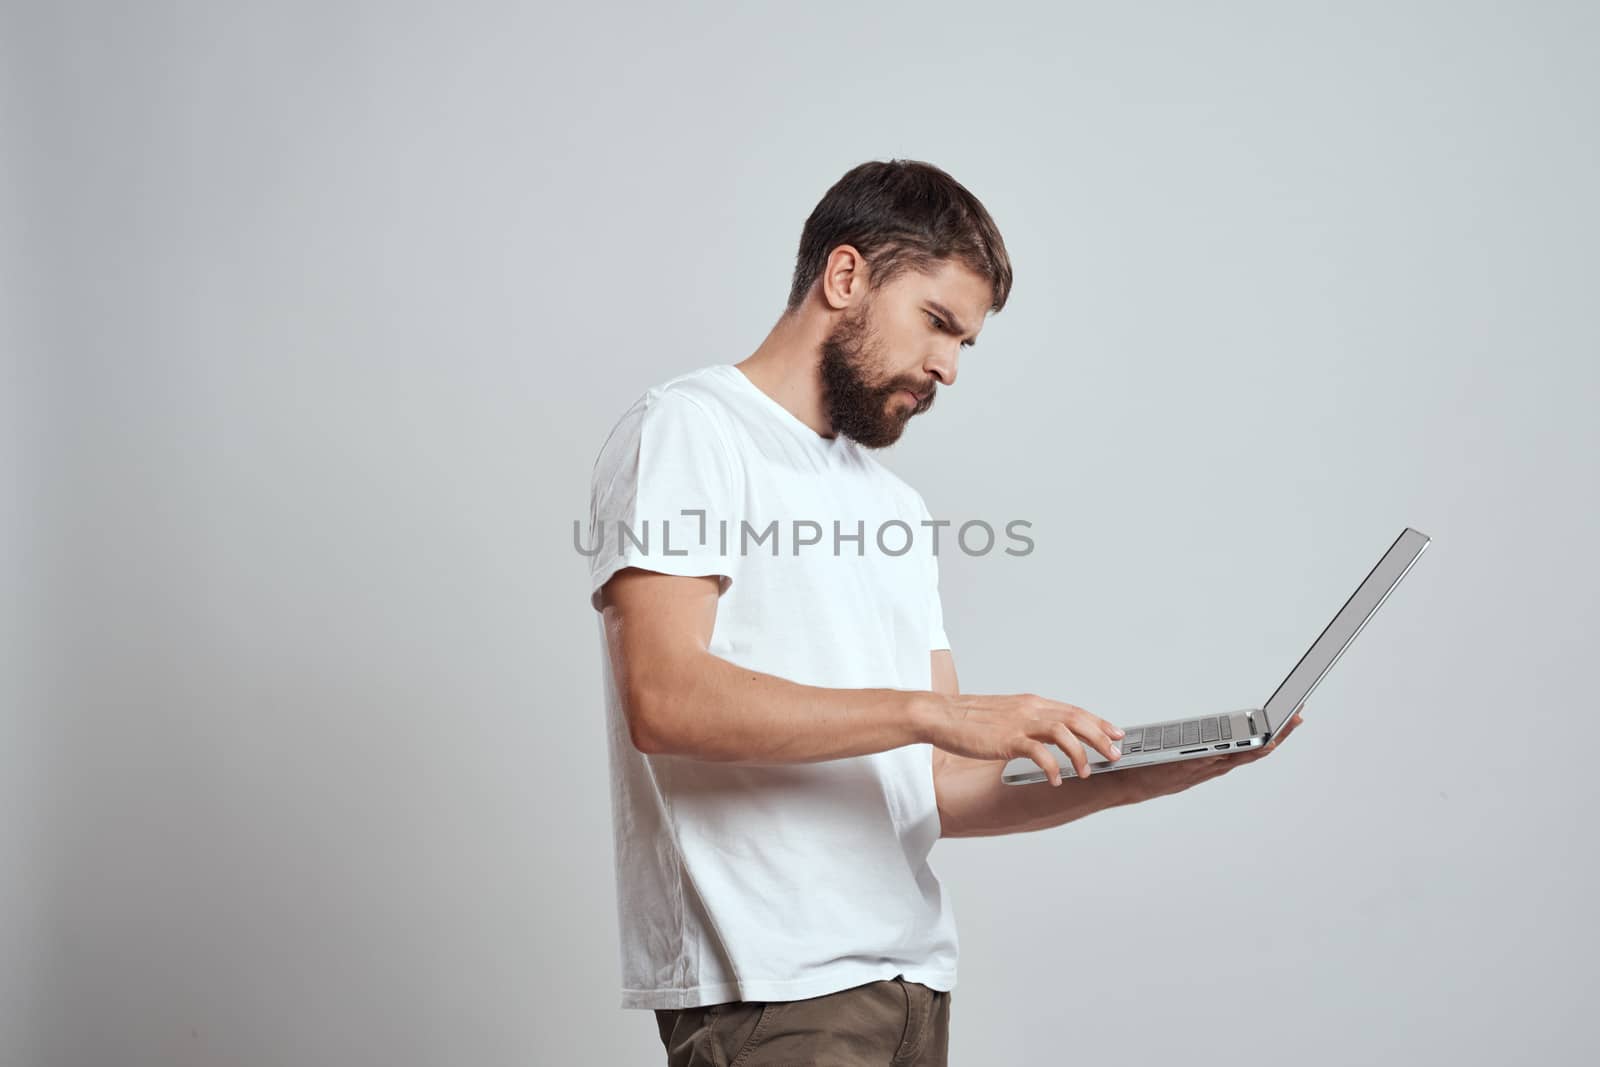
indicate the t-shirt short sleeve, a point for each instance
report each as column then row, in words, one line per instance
column 665, row 487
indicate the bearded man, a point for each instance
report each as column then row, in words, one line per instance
column 787, row 736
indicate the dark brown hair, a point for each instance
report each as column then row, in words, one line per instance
column 901, row 215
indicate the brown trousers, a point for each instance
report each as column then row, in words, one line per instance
column 891, row 1023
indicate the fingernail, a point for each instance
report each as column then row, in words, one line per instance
column 1116, row 753
column 1117, row 731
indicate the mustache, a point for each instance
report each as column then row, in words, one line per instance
column 924, row 393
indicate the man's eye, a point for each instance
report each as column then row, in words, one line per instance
column 938, row 324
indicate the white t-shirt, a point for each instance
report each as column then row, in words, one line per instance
column 777, row 881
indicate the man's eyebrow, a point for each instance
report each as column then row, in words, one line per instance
column 950, row 321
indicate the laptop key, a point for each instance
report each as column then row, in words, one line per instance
column 1210, row 730
column 1172, row 736
column 1227, row 727
column 1191, row 733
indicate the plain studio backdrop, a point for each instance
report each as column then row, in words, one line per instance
column 317, row 315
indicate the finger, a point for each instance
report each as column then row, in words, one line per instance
column 1251, row 755
column 1272, row 745
column 1072, row 747
column 1093, row 729
column 1040, row 754
column 1088, row 727
column 1207, row 768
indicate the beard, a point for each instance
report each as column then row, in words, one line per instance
column 859, row 406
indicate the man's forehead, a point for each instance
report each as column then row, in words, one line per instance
column 962, row 291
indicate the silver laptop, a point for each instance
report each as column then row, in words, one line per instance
column 1243, row 730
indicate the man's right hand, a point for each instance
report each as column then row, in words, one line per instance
column 1005, row 727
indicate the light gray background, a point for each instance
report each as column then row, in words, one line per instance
column 320, row 314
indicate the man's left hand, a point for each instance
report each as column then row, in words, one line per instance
column 1162, row 779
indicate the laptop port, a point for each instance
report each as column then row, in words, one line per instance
column 1219, row 747
column 1241, row 744
column 1189, row 751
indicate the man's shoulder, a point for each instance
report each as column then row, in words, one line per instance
column 696, row 400
column 690, row 407
column 704, row 389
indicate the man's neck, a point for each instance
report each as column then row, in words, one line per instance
column 785, row 367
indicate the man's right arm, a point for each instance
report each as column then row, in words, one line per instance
column 679, row 698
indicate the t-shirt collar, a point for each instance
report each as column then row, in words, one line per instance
column 834, row 445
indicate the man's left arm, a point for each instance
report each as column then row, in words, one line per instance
column 973, row 802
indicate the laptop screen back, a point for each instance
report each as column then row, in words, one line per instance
column 1343, row 629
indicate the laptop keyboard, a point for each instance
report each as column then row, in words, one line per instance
column 1178, row 734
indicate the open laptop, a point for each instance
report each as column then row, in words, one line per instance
column 1241, row 731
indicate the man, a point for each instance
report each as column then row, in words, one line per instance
column 787, row 735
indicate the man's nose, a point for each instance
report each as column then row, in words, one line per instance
column 942, row 365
